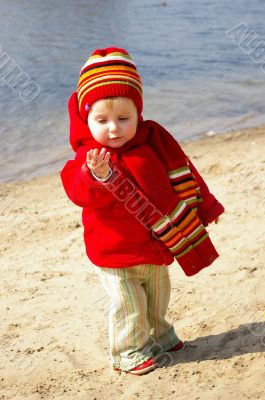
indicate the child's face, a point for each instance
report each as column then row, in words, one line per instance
column 113, row 126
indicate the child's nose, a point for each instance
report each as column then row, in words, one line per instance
column 113, row 127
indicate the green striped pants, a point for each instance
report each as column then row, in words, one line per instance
column 139, row 298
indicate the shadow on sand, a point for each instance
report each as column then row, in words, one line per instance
column 247, row 338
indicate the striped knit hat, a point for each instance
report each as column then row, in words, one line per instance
column 108, row 72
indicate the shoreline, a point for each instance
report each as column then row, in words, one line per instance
column 54, row 311
column 193, row 140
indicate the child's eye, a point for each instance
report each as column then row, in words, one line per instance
column 123, row 118
column 102, row 121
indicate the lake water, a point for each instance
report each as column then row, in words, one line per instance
column 196, row 78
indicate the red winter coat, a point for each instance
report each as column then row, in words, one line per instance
column 113, row 237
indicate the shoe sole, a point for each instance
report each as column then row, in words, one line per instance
column 144, row 370
column 140, row 371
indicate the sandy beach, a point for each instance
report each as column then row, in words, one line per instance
column 53, row 333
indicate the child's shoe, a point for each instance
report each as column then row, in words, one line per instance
column 180, row 345
column 142, row 369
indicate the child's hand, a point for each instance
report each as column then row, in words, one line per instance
column 217, row 220
column 98, row 163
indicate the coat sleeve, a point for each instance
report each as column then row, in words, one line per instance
column 81, row 187
column 210, row 208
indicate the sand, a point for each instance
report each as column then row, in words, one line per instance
column 53, row 334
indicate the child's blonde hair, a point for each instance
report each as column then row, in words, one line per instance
column 113, row 102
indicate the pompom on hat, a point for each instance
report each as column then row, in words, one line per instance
column 108, row 72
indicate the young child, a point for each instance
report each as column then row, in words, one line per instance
column 144, row 205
